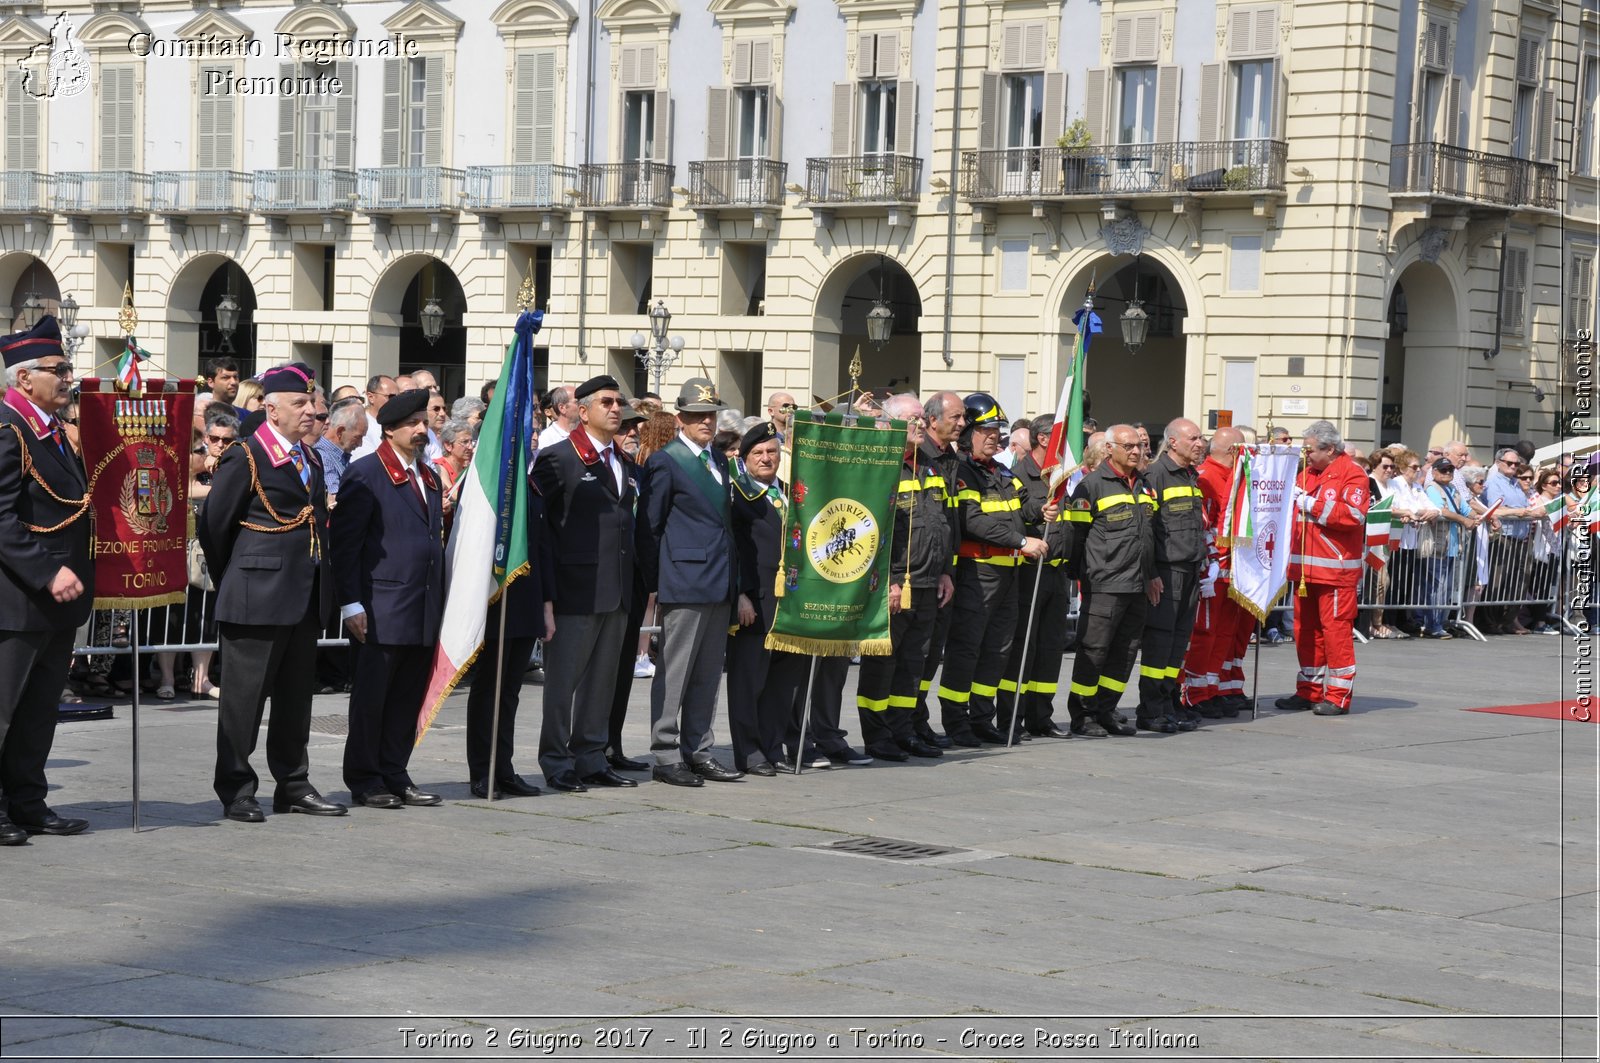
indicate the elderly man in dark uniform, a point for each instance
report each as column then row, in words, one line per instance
column 46, row 575
column 690, row 562
column 589, row 487
column 758, row 513
column 1180, row 544
column 262, row 532
column 388, row 565
column 627, row 441
column 946, row 415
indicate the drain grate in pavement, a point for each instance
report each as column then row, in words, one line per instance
column 331, row 725
column 888, row 849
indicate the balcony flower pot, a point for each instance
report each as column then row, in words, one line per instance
column 1074, row 163
column 1239, row 178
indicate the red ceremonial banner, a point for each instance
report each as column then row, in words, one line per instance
column 136, row 452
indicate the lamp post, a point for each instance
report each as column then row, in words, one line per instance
column 32, row 310
column 72, row 332
column 1135, row 326
column 432, row 316
column 227, row 319
column 880, row 319
column 662, row 351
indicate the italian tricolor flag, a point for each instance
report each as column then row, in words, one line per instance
column 1556, row 511
column 489, row 542
column 1381, row 531
column 1064, row 451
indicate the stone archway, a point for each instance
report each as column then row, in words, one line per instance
column 839, row 327
column 399, row 344
column 1148, row 386
column 22, row 275
column 1424, row 387
column 193, row 333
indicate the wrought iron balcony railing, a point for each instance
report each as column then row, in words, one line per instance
column 1443, row 170
column 201, row 191
column 525, row 186
column 103, row 192
column 389, row 188
column 25, row 191
column 863, row 179
column 639, row 185
column 1174, row 168
column 304, row 191
column 737, row 182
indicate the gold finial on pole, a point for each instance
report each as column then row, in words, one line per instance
column 855, row 370
column 128, row 317
column 525, row 294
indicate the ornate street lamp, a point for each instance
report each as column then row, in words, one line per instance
column 1135, row 326
column 33, row 310
column 880, row 319
column 227, row 319
column 662, row 352
column 67, row 313
column 432, row 316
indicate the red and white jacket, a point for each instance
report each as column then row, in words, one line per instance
column 1330, row 528
column 1216, row 486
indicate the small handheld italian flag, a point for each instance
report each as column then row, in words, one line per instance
column 1381, row 531
column 128, row 376
column 1555, row 510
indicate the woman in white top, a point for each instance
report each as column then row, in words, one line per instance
column 1408, row 584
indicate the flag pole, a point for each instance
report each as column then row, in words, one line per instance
column 805, row 720
column 133, row 644
column 499, row 683
column 1022, row 665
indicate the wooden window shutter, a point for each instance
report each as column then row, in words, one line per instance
column 1146, row 38
column 433, row 110
column 1169, row 80
column 1212, row 78
column 717, row 107
column 844, row 113
column 628, row 67
column 213, row 128
column 544, row 106
column 1512, row 297
column 761, row 61
column 888, row 65
column 741, row 63
column 116, row 118
column 1241, row 27
column 1452, row 112
column 989, row 111
column 774, row 127
column 1033, row 46
column 1055, row 106
column 288, row 142
column 1578, row 294
column 1264, row 41
column 647, row 66
column 1122, row 39
column 866, row 54
column 1094, row 103
column 905, row 117
column 524, row 78
column 1011, row 46
column 393, row 124
column 1528, row 60
column 661, row 141
column 344, row 118
column 21, row 125
column 1545, row 136
column 1280, row 116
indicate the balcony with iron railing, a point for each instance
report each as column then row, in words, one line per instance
column 526, row 186
column 392, row 189
column 1242, row 167
column 1443, row 171
column 84, row 192
column 845, row 179
column 26, row 192
column 201, row 192
column 304, row 191
column 722, row 183
column 645, row 186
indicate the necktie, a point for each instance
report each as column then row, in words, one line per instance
column 56, row 436
column 775, row 494
column 300, row 466
column 416, row 485
column 605, row 459
column 705, row 459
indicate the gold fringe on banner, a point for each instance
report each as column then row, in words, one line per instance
column 830, row 647
column 1250, row 607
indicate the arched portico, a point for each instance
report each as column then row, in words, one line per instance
column 405, row 293
column 1425, row 362
column 839, row 326
column 194, row 332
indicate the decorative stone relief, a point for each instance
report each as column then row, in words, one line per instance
column 1125, row 236
column 1432, row 242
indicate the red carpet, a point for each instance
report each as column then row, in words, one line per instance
column 1570, row 711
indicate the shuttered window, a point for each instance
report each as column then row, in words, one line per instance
column 118, row 138
column 533, row 119
column 1136, row 39
column 317, row 131
column 1022, row 46
column 413, row 111
column 752, row 61
column 21, row 147
column 1514, row 293
column 214, row 125
column 1580, row 295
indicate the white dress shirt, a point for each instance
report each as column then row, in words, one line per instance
column 600, row 448
column 696, row 449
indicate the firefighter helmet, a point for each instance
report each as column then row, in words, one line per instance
column 983, row 411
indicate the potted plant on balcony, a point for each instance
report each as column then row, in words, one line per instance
column 1239, row 178
column 1074, row 163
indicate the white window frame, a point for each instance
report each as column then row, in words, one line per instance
column 752, row 118
column 645, row 102
column 882, row 92
column 1514, row 293
column 1580, row 295
column 1262, row 98
column 1586, row 151
column 1144, row 100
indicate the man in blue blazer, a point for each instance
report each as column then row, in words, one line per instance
column 689, row 561
column 388, row 564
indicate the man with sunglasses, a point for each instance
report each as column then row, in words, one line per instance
column 46, row 575
column 1508, row 552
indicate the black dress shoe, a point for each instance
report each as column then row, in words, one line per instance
column 376, row 799
column 607, row 777
column 710, row 769
column 413, row 796
column 987, row 733
column 513, row 784
column 312, row 804
column 894, row 753
column 1185, row 724
column 1328, row 708
column 964, row 739
column 933, row 738
column 566, row 781
column 763, row 769
column 1087, row 728
column 918, row 748
column 1159, row 724
column 619, row 762
column 1294, row 703
column 676, row 775
column 480, row 788
column 244, row 810
column 50, row 823
column 1050, row 730
column 10, row 833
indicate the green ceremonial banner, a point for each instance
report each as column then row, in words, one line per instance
column 833, row 587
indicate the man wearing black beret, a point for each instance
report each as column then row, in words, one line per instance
column 262, row 531
column 388, row 563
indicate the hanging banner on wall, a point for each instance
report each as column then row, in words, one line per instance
column 136, row 452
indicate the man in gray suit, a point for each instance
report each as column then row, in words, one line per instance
column 688, row 558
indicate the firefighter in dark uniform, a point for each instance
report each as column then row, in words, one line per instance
column 993, row 544
column 922, row 563
column 1180, row 535
column 1034, row 682
column 946, row 415
column 1113, row 556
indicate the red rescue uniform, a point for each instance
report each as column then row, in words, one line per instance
column 1214, row 665
column 1327, row 551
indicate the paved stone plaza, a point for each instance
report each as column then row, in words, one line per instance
column 1408, row 882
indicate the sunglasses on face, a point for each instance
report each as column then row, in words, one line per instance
column 788, row 407
column 219, row 439
column 62, row 370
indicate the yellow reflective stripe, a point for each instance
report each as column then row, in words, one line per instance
column 932, row 481
column 1042, row 688
column 1077, row 516
column 872, row 704
column 955, row 559
column 902, row 701
column 1083, row 691
column 1006, row 561
column 1113, row 500
column 983, row 690
column 1112, row 684
column 1152, row 673
column 1002, row 506
column 925, row 685
column 1009, row 684
column 1174, row 672
column 960, row 697
column 1180, row 492
column 909, row 486
column 1016, row 483
column 1147, row 500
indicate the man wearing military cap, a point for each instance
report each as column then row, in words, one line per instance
column 758, row 514
column 690, row 562
column 388, row 565
column 262, row 532
column 589, row 488
column 46, row 575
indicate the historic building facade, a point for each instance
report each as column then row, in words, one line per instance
column 1377, row 211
